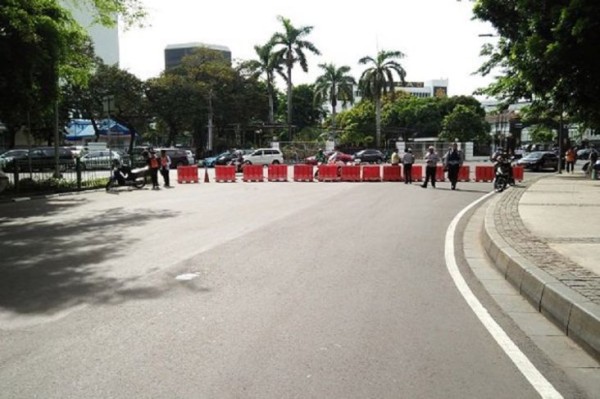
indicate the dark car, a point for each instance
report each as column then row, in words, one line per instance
column 369, row 156
column 585, row 153
column 539, row 160
column 178, row 157
column 42, row 158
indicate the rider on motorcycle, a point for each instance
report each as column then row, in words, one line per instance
column 504, row 160
column 117, row 172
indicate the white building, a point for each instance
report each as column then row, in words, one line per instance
column 430, row 88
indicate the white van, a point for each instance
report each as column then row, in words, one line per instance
column 264, row 156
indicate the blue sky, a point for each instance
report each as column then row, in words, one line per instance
column 439, row 38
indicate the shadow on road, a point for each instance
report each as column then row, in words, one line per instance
column 49, row 264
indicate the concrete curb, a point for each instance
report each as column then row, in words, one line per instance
column 576, row 315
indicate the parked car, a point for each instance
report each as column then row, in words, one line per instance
column 7, row 158
column 264, row 156
column 539, row 160
column 369, row 156
column 99, row 159
column 42, row 158
column 178, row 157
column 585, row 153
column 210, row 162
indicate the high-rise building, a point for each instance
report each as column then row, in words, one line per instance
column 174, row 53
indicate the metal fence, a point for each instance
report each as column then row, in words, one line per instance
column 33, row 176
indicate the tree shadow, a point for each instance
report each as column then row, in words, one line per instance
column 50, row 264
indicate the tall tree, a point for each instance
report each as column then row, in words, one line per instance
column 267, row 64
column 378, row 80
column 547, row 52
column 333, row 85
column 290, row 49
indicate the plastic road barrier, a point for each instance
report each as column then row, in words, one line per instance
column 392, row 173
column 464, row 173
column 224, row 173
column 303, row 172
column 417, row 172
column 187, row 174
column 484, row 173
column 277, row 172
column 328, row 173
column 350, row 173
column 253, row 173
column 440, row 175
column 518, row 173
column 371, row 173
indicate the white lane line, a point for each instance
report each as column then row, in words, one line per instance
column 532, row 374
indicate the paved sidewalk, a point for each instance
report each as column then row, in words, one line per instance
column 544, row 235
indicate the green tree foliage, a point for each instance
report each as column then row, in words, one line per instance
column 541, row 134
column 267, row 65
column 131, row 12
column 464, row 124
column 407, row 116
column 39, row 42
column 335, row 84
column 110, row 93
column 356, row 124
column 290, row 47
column 378, row 79
column 548, row 53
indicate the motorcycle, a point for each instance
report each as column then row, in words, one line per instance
column 502, row 176
column 238, row 162
column 125, row 176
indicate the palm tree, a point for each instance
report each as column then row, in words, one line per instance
column 379, row 79
column 267, row 64
column 335, row 84
column 292, row 47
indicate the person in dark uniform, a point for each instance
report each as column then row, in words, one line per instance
column 453, row 160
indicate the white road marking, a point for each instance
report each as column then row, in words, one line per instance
column 187, row 276
column 529, row 371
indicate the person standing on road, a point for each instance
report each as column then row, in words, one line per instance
column 431, row 161
column 395, row 158
column 453, row 160
column 165, row 165
column 153, row 165
column 570, row 158
column 407, row 161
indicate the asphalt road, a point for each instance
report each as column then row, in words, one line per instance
column 308, row 290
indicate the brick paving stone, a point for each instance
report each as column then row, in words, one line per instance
column 536, row 250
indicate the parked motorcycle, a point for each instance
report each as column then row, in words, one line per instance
column 125, row 176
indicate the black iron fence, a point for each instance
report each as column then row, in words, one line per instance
column 45, row 176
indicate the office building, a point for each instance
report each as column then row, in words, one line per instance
column 174, row 53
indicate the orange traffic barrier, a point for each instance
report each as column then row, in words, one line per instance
column 350, row 173
column 224, row 173
column 253, row 173
column 328, row 172
column 464, row 173
column 518, row 173
column 277, row 172
column 392, row 173
column 484, row 173
column 303, row 172
column 187, row 174
column 440, row 174
column 371, row 173
column 417, row 172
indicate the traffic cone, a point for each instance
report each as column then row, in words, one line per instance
column 206, row 180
